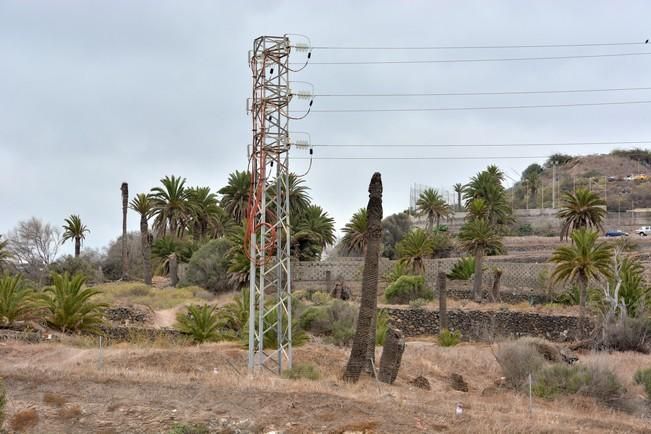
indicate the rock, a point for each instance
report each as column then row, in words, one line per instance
column 421, row 382
column 457, row 382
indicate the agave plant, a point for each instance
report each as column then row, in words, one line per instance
column 16, row 300
column 201, row 322
column 69, row 304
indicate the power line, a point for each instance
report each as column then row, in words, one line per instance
column 436, row 109
column 482, row 145
column 476, row 47
column 502, row 59
column 423, row 158
column 515, row 92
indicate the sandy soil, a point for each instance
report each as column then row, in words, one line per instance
column 149, row 390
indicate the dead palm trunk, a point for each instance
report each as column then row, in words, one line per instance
column 476, row 287
column 146, row 248
column 362, row 343
column 125, row 204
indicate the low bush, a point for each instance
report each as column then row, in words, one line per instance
column 302, row 371
column 406, row 289
column 418, row 303
column 463, row 269
column 16, row 300
column 595, row 381
column 628, row 334
column 643, row 378
column 449, row 339
column 188, row 428
column 442, row 244
column 518, row 359
column 398, row 270
column 320, row 297
column 208, row 266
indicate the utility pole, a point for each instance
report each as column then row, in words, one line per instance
column 267, row 236
column 554, row 185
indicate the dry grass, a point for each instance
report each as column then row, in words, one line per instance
column 156, row 298
column 54, row 399
column 70, row 412
column 24, row 419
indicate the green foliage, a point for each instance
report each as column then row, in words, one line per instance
column 558, row 159
column 479, row 236
column 87, row 263
column 407, row 288
column 208, row 266
column 634, row 291
column 320, row 297
column 74, row 229
column 518, row 359
column 69, row 304
column 442, row 243
column 487, row 186
column 398, row 270
column 394, row 229
column 302, row 371
column 235, row 195
column 627, row 334
column 16, row 300
column 643, row 378
column 582, row 209
column 449, row 339
column 524, row 230
column 572, row 296
column 170, row 206
column 637, row 154
column 201, row 322
column 189, row 428
column 313, row 231
column 463, row 269
column 414, row 247
column 593, row 381
column 534, row 168
column 431, row 204
column 335, row 320
column 355, row 233
column 381, row 326
column 418, row 303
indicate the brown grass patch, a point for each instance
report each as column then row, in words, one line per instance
column 54, row 399
column 24, row 419
column 70, row 412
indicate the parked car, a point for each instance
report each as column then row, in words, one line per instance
column 629, row 178
column 616, row 233
column 613, row 178
column 643, row 231
column 641, row 177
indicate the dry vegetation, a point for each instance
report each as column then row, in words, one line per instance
column 156, row 298
column 58, row 388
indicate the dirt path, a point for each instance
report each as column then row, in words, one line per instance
column 165, row 318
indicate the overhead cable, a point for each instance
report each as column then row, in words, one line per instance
column 513, row 92
column 477, row 47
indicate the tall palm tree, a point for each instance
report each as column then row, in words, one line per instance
column 235, row 195
column 414, row 247
column 582, row 209
column 143, row 205
column 356, row 233
column 431, row 204
column 299, row 198
column 458, row 189
column 124, row 188
column 478, row 237
column 205, row 215
column 487, row 185
column 170, row 206
column 74, row 229
column 363, row 348
column 313, row 231
column 532, row 180
column 581, row 261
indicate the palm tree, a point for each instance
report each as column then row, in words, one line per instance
column 16, row 300
column 583, row 209
column 170, row 206
column 313, row 231
column 355, row 233
column 414, row 247
column 477, row 209
column 74, row 229
column 143, row 205
column 124, row 188
column 363, row 348
column 581, row 261
column 235, row 195
column 487, row 185
column 458, row 189
column 431, row 204
column 532, row 180
column 205, row 214
column 479, row 237
column 5, row 254
column 299, row 199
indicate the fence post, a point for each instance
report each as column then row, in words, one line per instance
column 443, row 301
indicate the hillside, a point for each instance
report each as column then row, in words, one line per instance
column 608, row 174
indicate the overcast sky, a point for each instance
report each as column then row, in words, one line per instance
column 93, row 93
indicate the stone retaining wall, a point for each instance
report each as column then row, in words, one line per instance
column 486, row 325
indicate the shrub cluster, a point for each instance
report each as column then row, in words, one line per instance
column 628, row 334
column 406, row 289
column 208, row 266
column 301, row 371
column 594, row 381
column 643, row 378
column 449, row 339
column 463, row 269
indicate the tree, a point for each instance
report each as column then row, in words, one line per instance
column 208, row 266
column 125, row 253
column 558, row 159
column 143, row 205
column 581, row 261
column 313, row 231
column 458, row 189
column 33, row 246
column 16, row 300
column 487, row 185
column 583, row 209
column 363, row 348
column 431, row 204
column 531, row 177
column 414, row 247
column 74, row 229
column 170, row 206
column 206, row 217
column 299, row 199
column 394, row 228
column 356, row 233
column 235, row 195
column 478, row 237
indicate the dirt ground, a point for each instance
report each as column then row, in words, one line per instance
column 148, row 390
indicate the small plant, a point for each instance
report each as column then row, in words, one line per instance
column 69, row 304
column 24, row 420
column 463, row 269
column 418, row 303
column 518, row 359
column 201, row 322
column 449, row 339
column 643, row 378
column 319, row 297
column 407, row 288
column 381, row 326
column 593, row 381
column 398, row 270
column 16, row 300
column 188, row 428
column 302, row 371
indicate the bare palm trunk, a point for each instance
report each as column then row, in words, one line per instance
column 77, row 246
column 125, row 257
column 476, row 287
column 146, row 248
column 459, row 200
column 583, row 287
column 438, row 221
column 174, row 269
column 359, row 353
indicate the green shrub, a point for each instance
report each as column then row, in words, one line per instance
column 463, row 269
column 628, row 334
column 449, row 339
column 208, row 266
column 418, row 303
column 69, row 306
column 398, row 270
column 301, row 371
column 518, row 359
column 524, row 230
column 88, row 264
column 16, row 301
column 320, row 297
column 3, row 403
column 442, row 244
column 593, row 381
column 643, row 377
column 407, row 288
column 201, row 322
column 188, row 428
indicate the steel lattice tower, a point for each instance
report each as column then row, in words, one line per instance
column 268, row 232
